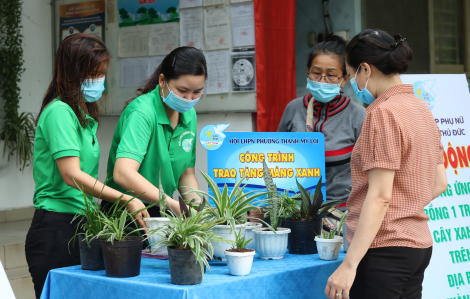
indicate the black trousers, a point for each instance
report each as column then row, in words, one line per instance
column 47, row 245
column 391, row 273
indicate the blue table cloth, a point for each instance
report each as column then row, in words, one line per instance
column 294, row 276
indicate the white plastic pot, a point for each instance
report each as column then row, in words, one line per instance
column 271, row 246
column 328, row 249
column 249, row 226
column 239, row 263
column 226, row 233
column 154, row 223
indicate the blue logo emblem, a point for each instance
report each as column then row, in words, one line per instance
column 211, row 136
column 187, row 144
column 423, row 90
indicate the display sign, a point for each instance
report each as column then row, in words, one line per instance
column 289, row 156
column 448, row 274
column 85, row 17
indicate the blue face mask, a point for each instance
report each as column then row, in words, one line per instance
column 92, row 89
column 178, row 103
column 323, row 92
column 363, row 95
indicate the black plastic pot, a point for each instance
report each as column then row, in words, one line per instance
column 122, row 259
column 302, row 237
column 184, row 269
column 91, row 258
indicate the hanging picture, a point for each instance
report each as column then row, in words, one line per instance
column 243, row 70
column 144, row 12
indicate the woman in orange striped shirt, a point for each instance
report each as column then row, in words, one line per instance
column 396, row 168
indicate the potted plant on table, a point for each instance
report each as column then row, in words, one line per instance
column 155, row 222
column 122, row 248
column 306, row 222
column 239, row 257
column 271, row 243
column 90, row 224
column 329, row 245
column 231, row 208
column 188, row 238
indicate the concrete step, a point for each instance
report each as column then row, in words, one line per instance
column 21, row 283
column 12, row 255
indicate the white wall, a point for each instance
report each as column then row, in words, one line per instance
column 18, row 187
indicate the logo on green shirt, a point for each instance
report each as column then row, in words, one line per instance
column 187, row 144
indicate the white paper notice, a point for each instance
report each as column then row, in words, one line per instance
column 217, row 27
column 191, row 27
column 134, row 71
column 163, row 38
column 154, row 62
column 214, row 2
column 189, row 3
column 243, row 24
column 218, row 71
column 133, row 41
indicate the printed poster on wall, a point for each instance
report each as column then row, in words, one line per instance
column 85, row 17
column 145, row 12
column 289, row 156
column 448, row 274
column 243, row 70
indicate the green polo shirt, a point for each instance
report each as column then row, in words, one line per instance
column 59, row 134
column 144, row 133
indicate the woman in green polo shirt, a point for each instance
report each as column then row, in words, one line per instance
column 66, row 154
column 158, row 130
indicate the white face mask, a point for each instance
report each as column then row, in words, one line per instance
column 178, row 103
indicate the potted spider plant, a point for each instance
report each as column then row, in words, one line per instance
column 306, row 222
column 231, row 208
column 155, row 222
column 189, row 240
column 329, row 244
column 90, row 224
column 239, row 257
column 271, row 243
column 121, row 244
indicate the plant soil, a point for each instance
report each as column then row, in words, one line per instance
column 240, row 250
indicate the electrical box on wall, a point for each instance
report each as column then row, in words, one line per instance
column 344, row 34
column 312, row 37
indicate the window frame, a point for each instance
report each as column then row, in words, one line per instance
column 450, row 68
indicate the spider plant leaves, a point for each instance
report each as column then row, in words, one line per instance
column 161, row 193
column 193, row 233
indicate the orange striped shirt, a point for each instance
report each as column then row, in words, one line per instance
column 399, row 133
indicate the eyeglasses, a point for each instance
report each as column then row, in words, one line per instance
column 328, row 79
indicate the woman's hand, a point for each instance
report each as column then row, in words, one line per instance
column 340, row 282
column 135, row 205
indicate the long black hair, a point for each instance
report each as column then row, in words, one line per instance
column 390, row 55
column 181, row 61
column 332, row 45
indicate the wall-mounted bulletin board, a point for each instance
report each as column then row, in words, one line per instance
column 139, row 33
